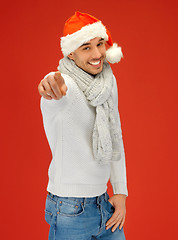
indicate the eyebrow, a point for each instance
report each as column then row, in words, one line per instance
column 86, row 44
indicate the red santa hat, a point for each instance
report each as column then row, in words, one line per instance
column 81, row 28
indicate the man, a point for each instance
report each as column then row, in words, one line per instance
column 79, row 106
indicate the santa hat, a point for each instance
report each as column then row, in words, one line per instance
column 81, row 28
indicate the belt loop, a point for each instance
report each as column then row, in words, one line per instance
column 84, row 202
column 97, row 200
column 105, row 196
column 52, row 195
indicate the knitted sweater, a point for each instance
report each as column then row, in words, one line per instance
column 68, row 124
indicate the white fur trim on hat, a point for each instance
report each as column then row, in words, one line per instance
column 114, row 54
column 72, row 41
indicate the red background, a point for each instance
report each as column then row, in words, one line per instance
column 147, row 81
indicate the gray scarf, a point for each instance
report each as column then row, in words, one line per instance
column 98, row 92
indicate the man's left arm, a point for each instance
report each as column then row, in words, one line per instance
column 118, row 179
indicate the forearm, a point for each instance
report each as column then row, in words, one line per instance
column 118, row 177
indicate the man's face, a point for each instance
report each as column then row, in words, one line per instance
column 90, row 56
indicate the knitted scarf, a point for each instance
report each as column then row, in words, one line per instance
column 98, row 91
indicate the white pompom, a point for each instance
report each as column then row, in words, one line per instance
column 114, row 54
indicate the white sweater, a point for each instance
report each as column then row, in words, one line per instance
column 68, row 124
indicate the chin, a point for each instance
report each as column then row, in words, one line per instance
column 96, row 71
column 99, row 71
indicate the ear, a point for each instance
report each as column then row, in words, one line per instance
column 71, row 56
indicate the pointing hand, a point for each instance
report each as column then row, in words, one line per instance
column 52, row 87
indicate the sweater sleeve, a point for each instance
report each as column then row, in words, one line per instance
column 51, row 107
column 118, row 177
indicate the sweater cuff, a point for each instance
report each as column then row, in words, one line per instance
column 120, row 188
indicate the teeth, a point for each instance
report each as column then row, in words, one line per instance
column 95, row 63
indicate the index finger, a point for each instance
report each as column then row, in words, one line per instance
column 113, row 218
column 60, row 82
column 58, row 77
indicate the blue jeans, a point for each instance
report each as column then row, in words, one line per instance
column 73, row 218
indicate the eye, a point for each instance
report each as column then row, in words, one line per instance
column 86, row 48
column 99, row 44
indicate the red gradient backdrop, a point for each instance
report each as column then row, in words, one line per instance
column 147, row 82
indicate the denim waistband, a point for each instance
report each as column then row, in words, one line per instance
column 85, row 200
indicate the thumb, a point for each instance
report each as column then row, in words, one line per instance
column 63, row 89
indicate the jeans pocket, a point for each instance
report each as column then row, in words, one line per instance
column 71, row 208
column 110, row 204
column 50, row 210
column 48, row 216
column 109, row 207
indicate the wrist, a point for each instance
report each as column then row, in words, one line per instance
column 121, row 195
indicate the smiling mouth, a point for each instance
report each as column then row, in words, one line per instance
column 95, row 63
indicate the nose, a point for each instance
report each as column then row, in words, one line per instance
column 96, row 54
